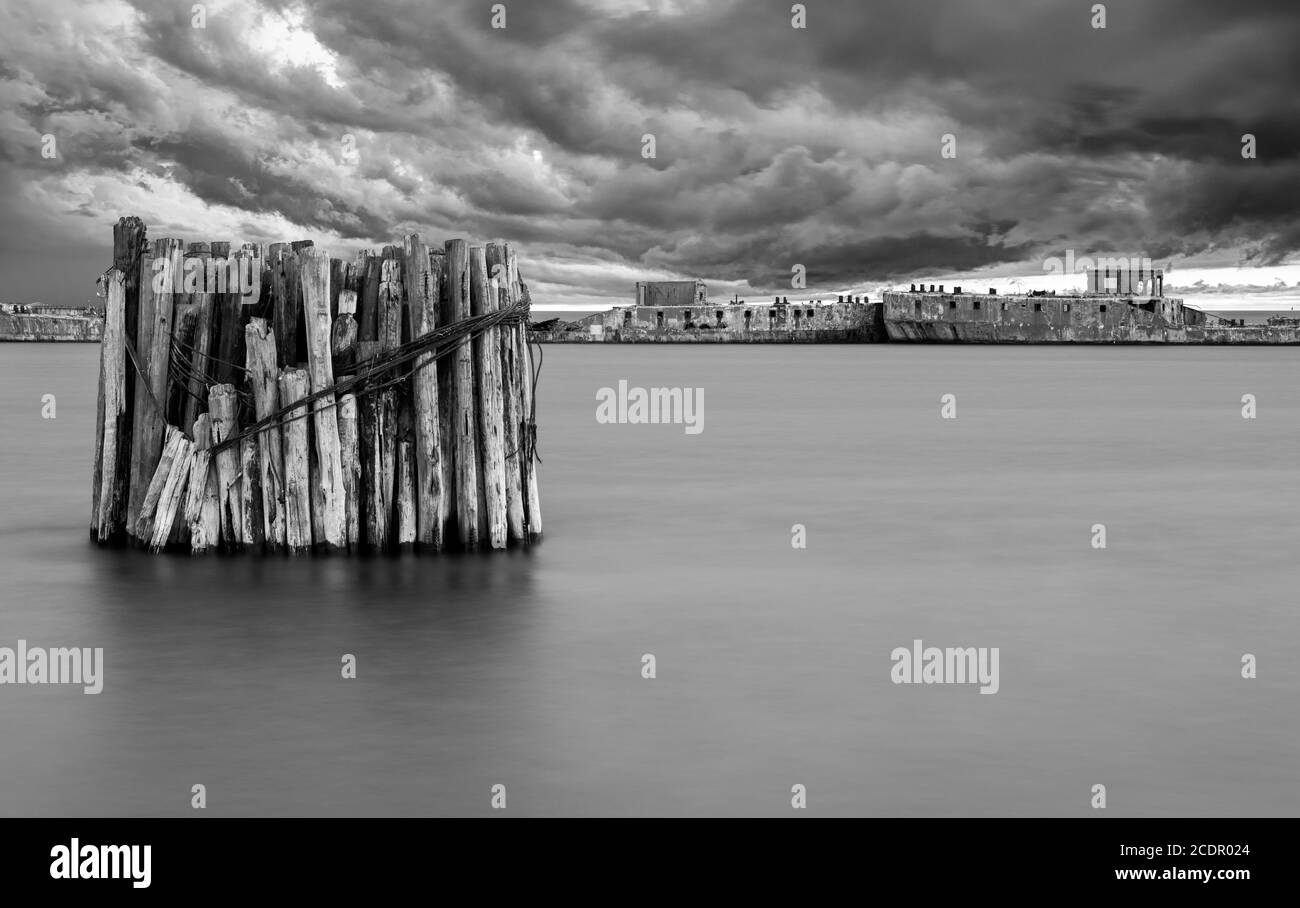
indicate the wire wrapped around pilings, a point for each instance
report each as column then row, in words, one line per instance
column 384, row 370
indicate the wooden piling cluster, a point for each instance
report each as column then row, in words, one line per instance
column 328, row 406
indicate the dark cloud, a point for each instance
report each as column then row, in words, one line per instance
column 775, row 146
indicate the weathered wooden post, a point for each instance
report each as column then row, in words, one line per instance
column 423, row 283
column 446, row 417
column 109, row 509
column 512, row 400
column 378, row 413
column 297, row 477
column 113, row 441
column 263, row 380
column 338, row 275
column 350, row 455
column 223, row 408
column 170, row 501
column 378, row 427
column 368, row 299
column 202, row 306
column 464, row 427
column 172, row 449
column 287, row 302
column 202, row 508
column 491, row 404
column 405, row 481
column 532, row 498
column 228, row 332
column 343, row 336
column 315, row 276
column 154, row 350
column 250, row 482
column 391, row 309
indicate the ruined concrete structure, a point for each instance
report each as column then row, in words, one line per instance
column 1112, row 311
column 1124, row 304
column 847, row 320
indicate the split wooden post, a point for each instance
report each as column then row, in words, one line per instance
column 153, row 492
column 405, row 481
column 513, row 394
column 263, row 379
column 464, row 428
column 297, row 481
column 350, row 455
column 491, row 403
column 251, row 501
column 170, row 501
column 315, row 281
column 202, row 507
column 378, row 428
column 223, row 407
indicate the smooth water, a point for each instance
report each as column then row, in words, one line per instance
column 1119, row 666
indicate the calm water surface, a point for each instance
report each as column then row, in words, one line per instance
column 1119, row 666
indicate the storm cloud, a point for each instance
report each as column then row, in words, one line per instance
column 774, row 146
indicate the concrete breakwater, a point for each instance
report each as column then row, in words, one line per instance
column 38, row 324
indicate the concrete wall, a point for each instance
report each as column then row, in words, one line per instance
column 976, row 318
column 50, row 328
column 1249, row 334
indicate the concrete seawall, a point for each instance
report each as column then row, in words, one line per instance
column 36, row 328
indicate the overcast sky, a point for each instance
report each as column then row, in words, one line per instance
column 774, row 146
